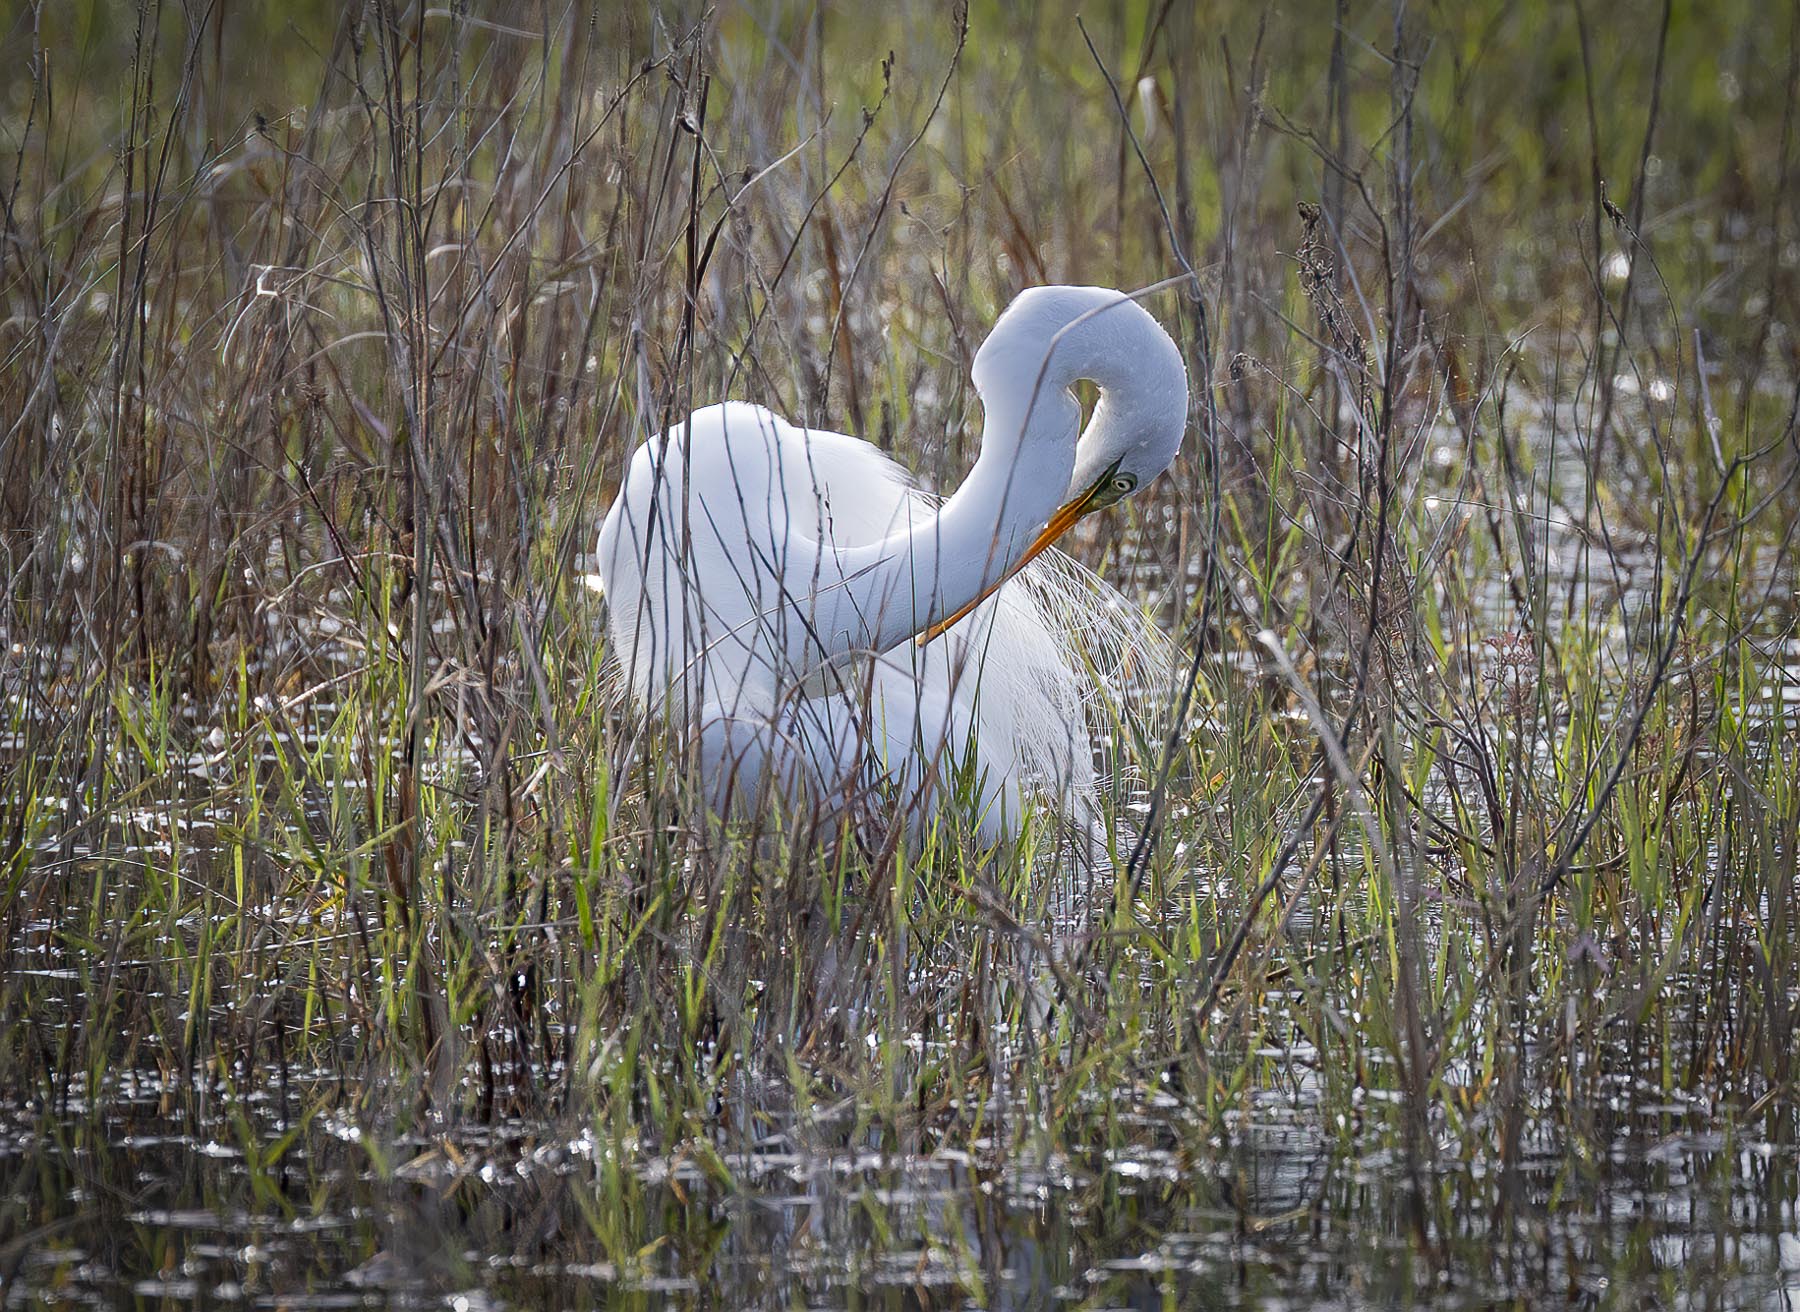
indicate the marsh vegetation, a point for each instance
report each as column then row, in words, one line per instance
column 357, row 947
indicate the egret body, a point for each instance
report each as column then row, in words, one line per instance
column 791, row 599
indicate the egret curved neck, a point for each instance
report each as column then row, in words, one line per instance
column 1030, row 464
column 937, row 564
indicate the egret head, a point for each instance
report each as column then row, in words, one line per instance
column 1137, row 426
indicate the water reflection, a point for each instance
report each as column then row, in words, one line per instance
column 132, row 1201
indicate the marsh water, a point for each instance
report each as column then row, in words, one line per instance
column 269, row 1187
column 1660, row 1207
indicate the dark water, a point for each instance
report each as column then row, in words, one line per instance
column 130, row 1201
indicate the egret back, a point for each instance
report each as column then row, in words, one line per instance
column 698, row 557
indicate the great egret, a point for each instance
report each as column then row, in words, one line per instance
column 789, row 597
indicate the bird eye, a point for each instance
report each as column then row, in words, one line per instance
column 1124, row 483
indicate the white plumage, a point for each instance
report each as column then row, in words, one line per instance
column 762, row 581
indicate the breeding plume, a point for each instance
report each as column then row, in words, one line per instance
column 822, row 628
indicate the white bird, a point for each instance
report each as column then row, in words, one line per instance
column 787, row 596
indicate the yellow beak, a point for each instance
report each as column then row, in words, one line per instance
column 1061, row 522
